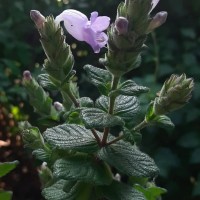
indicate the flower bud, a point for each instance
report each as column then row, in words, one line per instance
column 27, row 75
column 121, row 25
column 38, row 18
column 157, row 21
column 175, row 93
column 32, row 138
column 58, row 106
column 45, row 174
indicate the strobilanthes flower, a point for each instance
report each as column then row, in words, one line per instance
column 82, row 29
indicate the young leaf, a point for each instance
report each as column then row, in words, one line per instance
column 42, row 155
column 86, row 102
column 129, row 160
column 129, row 88
column 120, row 191
column 43, row 80
column 6, row 167
column 71, row 136
column 132, row 136
column 152, row 192
column 126, row 107
column 100, row 78
column 84, row 168
column 96, row 118
column 5, row 195
column 162, row 121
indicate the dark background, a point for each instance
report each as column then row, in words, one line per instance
column 173, row 48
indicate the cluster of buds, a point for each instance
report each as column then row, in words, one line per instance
column 126, row 37
column 175, row 93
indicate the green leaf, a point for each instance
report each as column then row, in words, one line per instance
column 100, row 78
column 84, row 168
column 86, row 102
column 129, row 160
column 129, row 88
column 56, row 191
column 5, row 195
column 72, row 137
column 132, row 136
column 120, row 191
column 96, row 118
column 41, row 154
column 162, row 121
column 6, row 167
column 126, row 107
column 151, row 192
column 68, row 190
column 43, row 80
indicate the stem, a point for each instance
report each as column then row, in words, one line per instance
column 115, row 140
column 96, row 136
column 115, row 81
column 156, row 51
column 72, row 97
column 140, row 126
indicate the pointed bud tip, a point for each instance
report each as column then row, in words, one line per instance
column 37, row 17
column 121, row 25
column 27, row 75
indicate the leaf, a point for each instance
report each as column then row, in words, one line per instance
column 129, row 160
column 83, row 168
column 72, row 137
column 100, row 78
column 126, row 107
column 56, row 191
column 120, row 191
column 129, row 88
column 152, row 192
column 96, row 118
column 43, row 80
column 41, row 154
column 132, row 136
column 86, row 102
column 162, row 121
column 6, row 167
column 67, row 190
column 5, row 195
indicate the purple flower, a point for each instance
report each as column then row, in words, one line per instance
column 90, row 31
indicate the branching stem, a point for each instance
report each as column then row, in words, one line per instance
column 115, row 81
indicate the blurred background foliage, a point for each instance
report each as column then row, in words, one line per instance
column 173, row 48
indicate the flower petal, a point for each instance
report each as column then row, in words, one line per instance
column 90, row 38
column 93, row 16
column 154, row 3
column 74, row 22
column 100, row 24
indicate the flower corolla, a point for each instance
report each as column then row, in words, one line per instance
column 82, row 29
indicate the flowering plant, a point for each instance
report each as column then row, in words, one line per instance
column 90, row 150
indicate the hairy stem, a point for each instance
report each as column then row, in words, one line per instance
column 115, row 81
column 138, row 127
